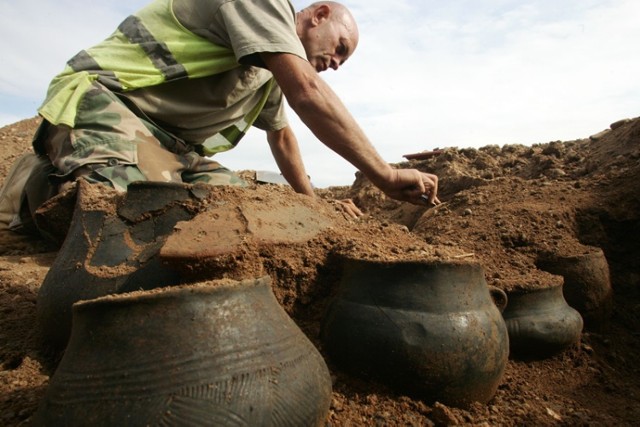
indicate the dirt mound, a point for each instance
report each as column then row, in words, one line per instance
column 506, row 207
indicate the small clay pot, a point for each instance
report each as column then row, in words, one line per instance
column 587, row 284
column 541, row 323
column 192, row 355
column 426, row 329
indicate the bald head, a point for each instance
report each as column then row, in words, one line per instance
column 328, row 33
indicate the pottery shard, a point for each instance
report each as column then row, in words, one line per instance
column 283, row 224
column 223, row 229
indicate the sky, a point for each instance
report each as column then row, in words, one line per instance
column 427, row 73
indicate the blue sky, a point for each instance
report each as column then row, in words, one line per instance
column 426, row 74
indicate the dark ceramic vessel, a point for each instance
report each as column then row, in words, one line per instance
column 430, row 330
column 541, row 323
column 187, row 356
column 587, row 284
column 108, row 253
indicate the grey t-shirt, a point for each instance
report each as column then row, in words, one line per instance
column 195, row 109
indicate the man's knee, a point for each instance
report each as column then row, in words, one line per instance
column 26, row 188
column 113, row 174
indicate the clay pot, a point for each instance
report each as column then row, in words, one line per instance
column 192, row 355
column 541, row 323
column 587, row 284
column 426, row 329
column 111, row 248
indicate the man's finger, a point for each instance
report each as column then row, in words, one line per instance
column 351, row 208
column 430, row 200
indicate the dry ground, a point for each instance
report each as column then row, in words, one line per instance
column 504, row 207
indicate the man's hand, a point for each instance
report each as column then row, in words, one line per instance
column 413, row 186
column 350, row 208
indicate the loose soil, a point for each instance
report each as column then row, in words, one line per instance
column 508, row 208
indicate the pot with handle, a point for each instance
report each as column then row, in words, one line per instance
column 428, row 329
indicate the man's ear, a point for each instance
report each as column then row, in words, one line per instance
column 320, row 14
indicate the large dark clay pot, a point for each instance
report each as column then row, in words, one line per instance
column 187, row 356
column 541, row 323
column 430, row 330
column 587, row 284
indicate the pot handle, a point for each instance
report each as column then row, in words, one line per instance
column 499, row 297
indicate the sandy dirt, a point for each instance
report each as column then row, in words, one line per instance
column 509, row 208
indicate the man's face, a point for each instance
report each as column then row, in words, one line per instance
column 330, row 42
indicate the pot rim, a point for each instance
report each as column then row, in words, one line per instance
column 208, row 287
column 553, row 258
column 533, row 290
column 346, row 258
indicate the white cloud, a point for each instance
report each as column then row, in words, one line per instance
column 514, row 76
column 40, row 36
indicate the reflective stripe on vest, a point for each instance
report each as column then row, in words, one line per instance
column 149, row 48
column 229, row 137
column 152, row 47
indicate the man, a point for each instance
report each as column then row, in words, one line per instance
column 181, row 80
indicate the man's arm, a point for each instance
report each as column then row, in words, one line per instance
column 285, row 150
column 327, row 117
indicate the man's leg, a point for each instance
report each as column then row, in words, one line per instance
column 112, row 145
column 203, row 169
column 11, row 193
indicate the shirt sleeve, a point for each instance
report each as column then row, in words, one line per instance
column 254, row 27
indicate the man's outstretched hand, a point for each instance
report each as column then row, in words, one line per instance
column 407, row 185
column 413, row 186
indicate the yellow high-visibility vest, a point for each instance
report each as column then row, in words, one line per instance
column 149, row 47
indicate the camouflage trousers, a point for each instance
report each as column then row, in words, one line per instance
column 112, row 145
